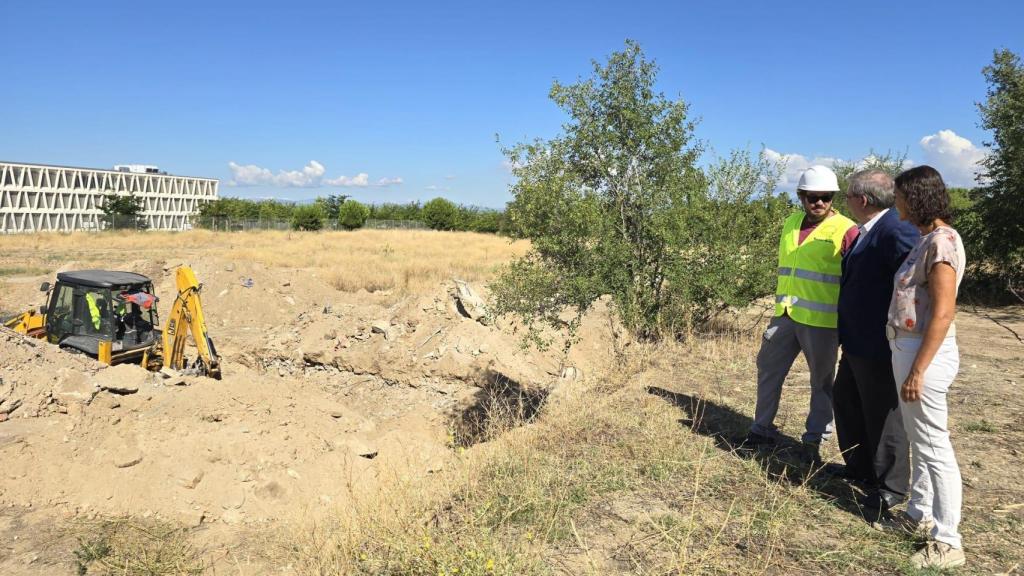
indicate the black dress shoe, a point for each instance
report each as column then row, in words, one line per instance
column 838, row 471
column 880, row 500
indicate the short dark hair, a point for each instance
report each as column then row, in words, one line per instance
column 925, row 195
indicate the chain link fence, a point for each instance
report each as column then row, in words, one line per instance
column 240, row 224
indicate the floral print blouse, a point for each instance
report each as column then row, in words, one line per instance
column 910, row 307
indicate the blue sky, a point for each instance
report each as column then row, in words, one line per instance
column 402, row 101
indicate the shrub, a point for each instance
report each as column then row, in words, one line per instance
column 308, row 217
column 441, row 214
column 352, row 214
column 999, row 243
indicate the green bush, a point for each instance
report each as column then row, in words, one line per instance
column 352, row 214
column 309, row 217
column 441, row 214
column 618, row 206
column 996, row 230
column 392, row 211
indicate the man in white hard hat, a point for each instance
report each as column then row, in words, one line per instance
column 806, row 302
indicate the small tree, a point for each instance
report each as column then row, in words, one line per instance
column 331, row 204
column 441, row 214
column 352, row 215
column 308, row 217
column 616, row 205
column 124, row 211
column 1000, row 200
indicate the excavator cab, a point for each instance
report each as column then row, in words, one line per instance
column 90, row 310
column 112, row 317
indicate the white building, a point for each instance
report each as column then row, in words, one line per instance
column 36, row 197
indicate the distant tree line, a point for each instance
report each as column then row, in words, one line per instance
column 438, row 214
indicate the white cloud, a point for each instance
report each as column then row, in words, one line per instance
column 360, row 180
column 389, row 181
column 310, row 176
column 252, row 175
column 954, row 156
column 436, row 188
column 450, row 177
column 795, row 166
column 797, row 163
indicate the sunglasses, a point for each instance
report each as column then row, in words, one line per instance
column 815, row 198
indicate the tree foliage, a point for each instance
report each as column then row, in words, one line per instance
column 617, row 206
column 441, row 214
column 892, row 163
column 123, row 211
column 352, row 215
column 331, row 204
column 1000, row 200
column 308, row 217
column 245, row 209
column 470, row 218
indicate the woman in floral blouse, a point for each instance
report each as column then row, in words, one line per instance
column 925, row 360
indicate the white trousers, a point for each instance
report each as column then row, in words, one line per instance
column 936, row 490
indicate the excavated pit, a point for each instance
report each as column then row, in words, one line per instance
column 326, row 397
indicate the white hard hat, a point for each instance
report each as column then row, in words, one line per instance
column 818, row 178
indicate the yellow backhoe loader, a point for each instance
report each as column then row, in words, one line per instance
column 112, row 317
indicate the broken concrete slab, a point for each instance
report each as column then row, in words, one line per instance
column 121, row 379
column 469, row 303
column 73, row 387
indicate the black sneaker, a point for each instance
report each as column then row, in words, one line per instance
column 755, row 440
column 811, row 452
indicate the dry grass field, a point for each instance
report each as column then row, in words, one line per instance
column 631, row 469
column 395, row 261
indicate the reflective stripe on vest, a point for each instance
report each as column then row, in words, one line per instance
column 808, row 275
column 810, row 272
column 805, row 303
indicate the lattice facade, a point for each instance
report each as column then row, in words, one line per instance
column 37, row 198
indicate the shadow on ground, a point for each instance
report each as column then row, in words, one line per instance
column 783, row 462
column 500, row 404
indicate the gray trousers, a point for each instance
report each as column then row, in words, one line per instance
column 782, row 342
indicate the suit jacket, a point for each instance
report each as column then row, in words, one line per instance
column 866, row 285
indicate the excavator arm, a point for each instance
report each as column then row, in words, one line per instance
column 31, row 323
column 187, row 316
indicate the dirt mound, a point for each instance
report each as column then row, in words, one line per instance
column 325, row 394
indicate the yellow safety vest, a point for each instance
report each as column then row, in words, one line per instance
column 94, row 310
column 809, row 273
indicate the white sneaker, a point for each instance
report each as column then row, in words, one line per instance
column 938, row 555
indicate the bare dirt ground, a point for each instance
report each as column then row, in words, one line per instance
column 350, row 368
column 325, row 392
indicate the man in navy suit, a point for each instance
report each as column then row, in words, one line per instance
column 865, row 401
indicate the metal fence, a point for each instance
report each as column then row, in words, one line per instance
column 396, row 225
column 240, row 224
